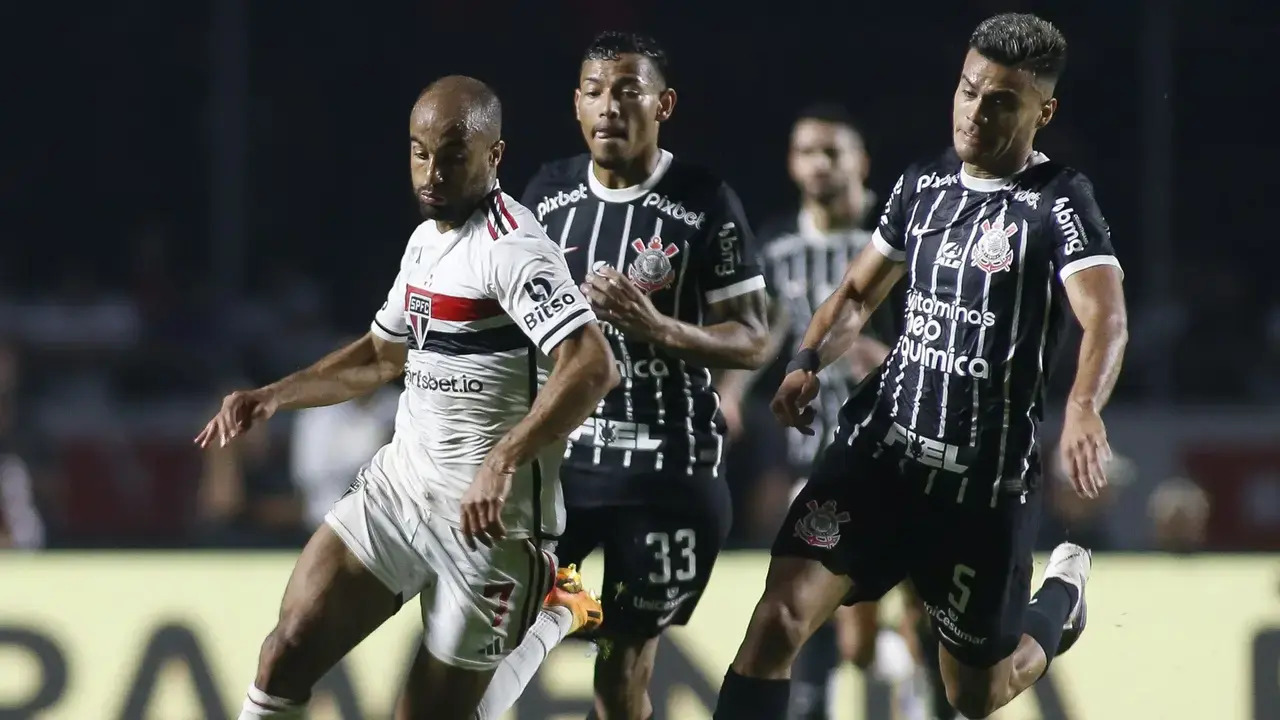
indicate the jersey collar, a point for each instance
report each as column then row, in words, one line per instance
column 987, row 185
column 635, row 192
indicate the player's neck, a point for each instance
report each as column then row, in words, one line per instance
column 630, row 174
column 842, row 213
column 1003, row 167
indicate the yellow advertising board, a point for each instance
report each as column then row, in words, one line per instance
column 175, row 637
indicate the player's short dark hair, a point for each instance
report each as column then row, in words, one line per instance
column 829, row 112
column 1022, row 41
column 610, row 44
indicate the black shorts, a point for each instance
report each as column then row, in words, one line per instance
column 868, row 515
column 657, row 561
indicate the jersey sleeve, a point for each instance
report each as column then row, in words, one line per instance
column 729, row 264
column 389, row 323
column 1081, row 236
column 890, row 236
column 532, row 283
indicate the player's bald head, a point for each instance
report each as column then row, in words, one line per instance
column 459, row 104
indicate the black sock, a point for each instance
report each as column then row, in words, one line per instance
column 1048, row 612
column 748, row 698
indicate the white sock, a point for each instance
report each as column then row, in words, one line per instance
column 259, row 705
column 522, row 664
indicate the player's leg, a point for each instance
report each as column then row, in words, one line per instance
column 840, row 543
column 567, row 609
column 657, row 565
column 1051, row 624
column 974, row 577
column 813, row 674
column 483, row 604
column 339, row 592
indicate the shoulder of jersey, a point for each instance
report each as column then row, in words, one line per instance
column 691, row 180
column 512, row 221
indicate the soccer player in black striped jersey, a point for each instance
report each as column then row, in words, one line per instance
column 933, row 475
column 662, row 248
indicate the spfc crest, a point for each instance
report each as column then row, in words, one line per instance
column 821, row 527
column 417, row 309
column 993, row 252
column 651, row 270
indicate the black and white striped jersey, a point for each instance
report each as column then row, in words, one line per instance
column 963, row 389
column 803, row 266
column 682, row 237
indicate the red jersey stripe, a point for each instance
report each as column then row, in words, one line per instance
column 455, row 309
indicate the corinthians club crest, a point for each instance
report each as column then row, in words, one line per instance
column 993, row 253
column 651, row 270
column 821, row 527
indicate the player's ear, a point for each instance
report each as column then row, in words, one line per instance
column 577, row 98
column 666, row 104
column 1047, row 111
column 495, row 153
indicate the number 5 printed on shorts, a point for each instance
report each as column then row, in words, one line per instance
column 960, row 578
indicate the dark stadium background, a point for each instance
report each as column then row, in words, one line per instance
column 199, row 195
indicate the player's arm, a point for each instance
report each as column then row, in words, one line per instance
column 838, row 321
column 584, row 372
column 1086, row 264
column 735, row 333
column 532, row 283
column 346, row 373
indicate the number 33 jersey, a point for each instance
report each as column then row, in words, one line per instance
column 682, row 237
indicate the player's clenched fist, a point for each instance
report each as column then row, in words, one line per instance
column 1085, row 451
column 791, row 404
column 240, row 410
column 482, row 506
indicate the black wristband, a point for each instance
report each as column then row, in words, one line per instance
column 806, row 360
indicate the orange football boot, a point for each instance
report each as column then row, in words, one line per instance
column 568, row 593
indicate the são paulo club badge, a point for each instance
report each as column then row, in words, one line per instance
column 821, row 527
column 993, row 253
column 651, row 270
column 417, row 308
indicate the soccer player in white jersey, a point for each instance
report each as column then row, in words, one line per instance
column 456, row 507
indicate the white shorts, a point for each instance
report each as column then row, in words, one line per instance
column 476, row 604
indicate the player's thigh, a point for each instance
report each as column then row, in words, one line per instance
column 483, row 600
column 857, row 628
column 852, row 517
column 353, row 574
column 658, row 562
column 972, row 574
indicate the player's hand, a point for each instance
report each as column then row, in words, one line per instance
column 482, row 506
column 241, row 410
column 1084, row 450
column 792, row 403
column 617, row 301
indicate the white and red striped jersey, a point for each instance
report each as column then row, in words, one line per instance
column 479, row 307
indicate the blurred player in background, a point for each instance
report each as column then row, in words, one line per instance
column 663, row 250
column 935, row 470
column 457, row 506
column 805, row 255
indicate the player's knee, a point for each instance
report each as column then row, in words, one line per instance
column 862, row 653
column 780, row 629
column 973, row 700
column 623, row 675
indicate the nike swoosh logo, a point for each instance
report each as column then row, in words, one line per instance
column 919, row 230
